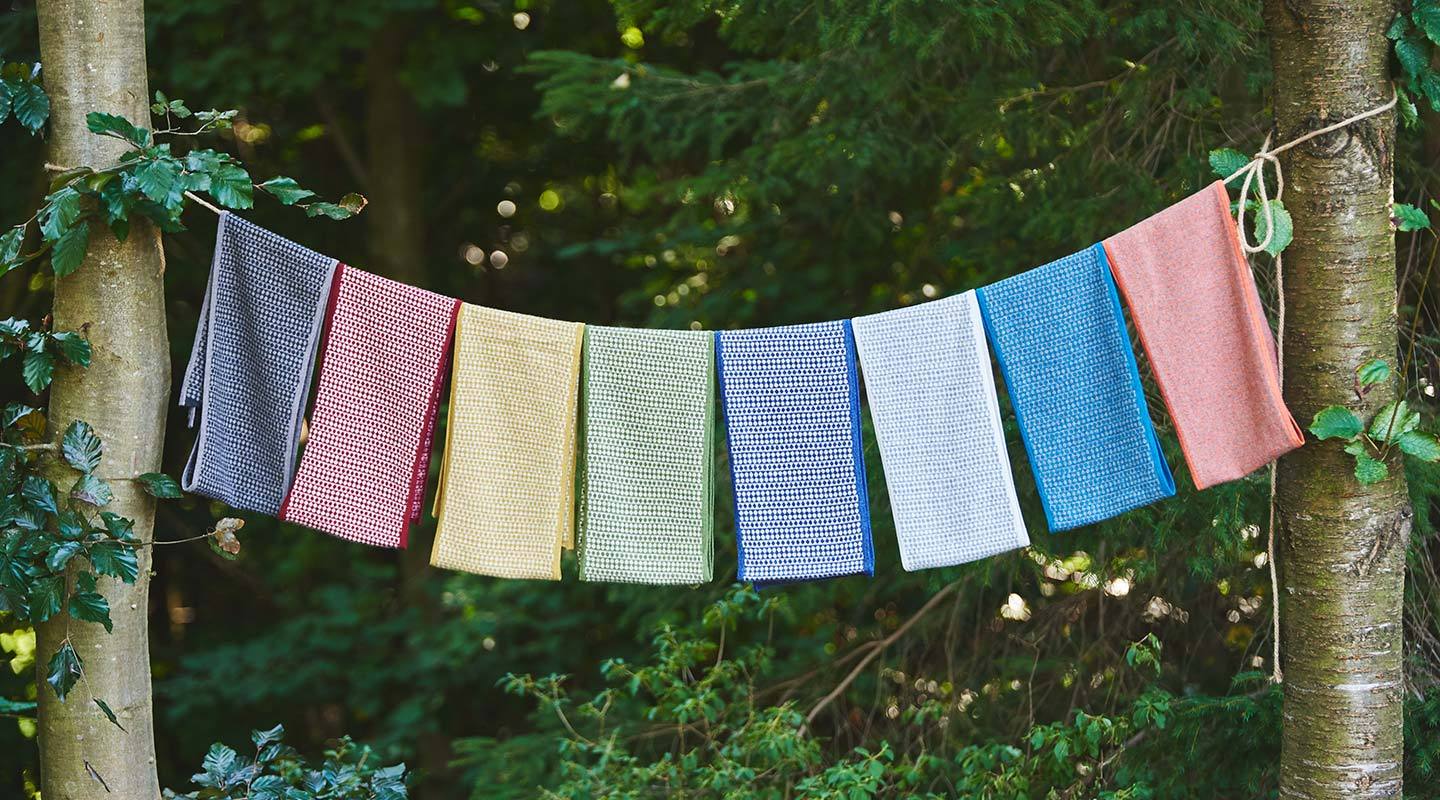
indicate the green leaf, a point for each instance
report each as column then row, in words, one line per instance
column 66, row 668
column 1226, row 161
column 74, row 347
column 230, row 186
column 286, row 190
column 119, row 527
column 46, row 596
column 110, row 715
column 1409, row 218
column 81, row 447
column 220, row 762
column 10, row 243
column 17, row 708
column 37, row 369
column 262, row 738
column 1392, row 420
column 160, row 485
column 115, row 125
column 115, row 559
column 1409, row 114
column 1376, row 370
column 29, row 104
column 1412, row 53
column 160, row 181
column 1419, row 444
column 40, row 493
column 1368, row 470
column 349, row 205
column 4, row 99
column 1426, row 14
column 1336, row 422
column 1284, row 227
column 61, row 210
column 69, row 251
column 60, row 555
column 1398, row 27
column 91, row 607
column 72, row 526
column 92, row 490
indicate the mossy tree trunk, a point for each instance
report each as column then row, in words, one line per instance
column 1343, row 543
column 93, row 52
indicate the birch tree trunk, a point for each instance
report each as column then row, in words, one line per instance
column 93, row 52
column 1344, row 543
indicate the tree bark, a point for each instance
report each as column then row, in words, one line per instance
column 1344, row 543
column 93, row 53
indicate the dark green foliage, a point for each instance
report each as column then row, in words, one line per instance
column 277, row 772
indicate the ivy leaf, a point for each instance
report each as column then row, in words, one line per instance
column 1408, row 218
column 60, row 555
column 61, row 210
column 110, row 715
column 92, row 490
column 40, row 493
column 286, row 190
column 115, row 125
column 1392, row 420
column 46, row 596
column 74, row 347
column 1368, row 470
column 1336, row 422
column 230, row 185
column 69, row 250
column 1376, row 370
column 91, row 607
column 1284, row 227
column 1419, row 444
column 29, row 104
column 115, row 559
column 158, row 484
column 1226, row 161
column 65, row 670
column 81, row 447
column 37, row 369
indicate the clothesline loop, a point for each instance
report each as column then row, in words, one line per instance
column 1254, row 173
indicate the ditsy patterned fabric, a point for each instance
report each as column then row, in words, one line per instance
column 1059, row 335
column 792, row 421
column 646, row 490
column 931, row 394
column 362, row 472
column 250, row 367
column 507, row 479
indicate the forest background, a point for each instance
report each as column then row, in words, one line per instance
column 684, row 165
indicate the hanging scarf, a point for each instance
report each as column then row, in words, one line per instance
column 506, row 496
column 1059, row 335
column 932, row 396
column 646, row 492
column 249, row 372
column 1193, row 299
column 792, row 422
column 362, row 473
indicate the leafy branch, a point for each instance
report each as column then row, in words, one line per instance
column 153, row 181
column 1394, row 427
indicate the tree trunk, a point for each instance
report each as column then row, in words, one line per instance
column 93, row 53
column 1344, row 543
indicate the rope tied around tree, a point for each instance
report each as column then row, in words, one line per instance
column 1254, row 173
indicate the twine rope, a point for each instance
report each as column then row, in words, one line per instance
column 1254, row 173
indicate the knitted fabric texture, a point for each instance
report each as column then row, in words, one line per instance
column 250, row 366
column 931, row 394
column 362, row 472
column 1059, row 335
column 507, row 479
column 646, row 490
column 1193, row 299
column 792, row 422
